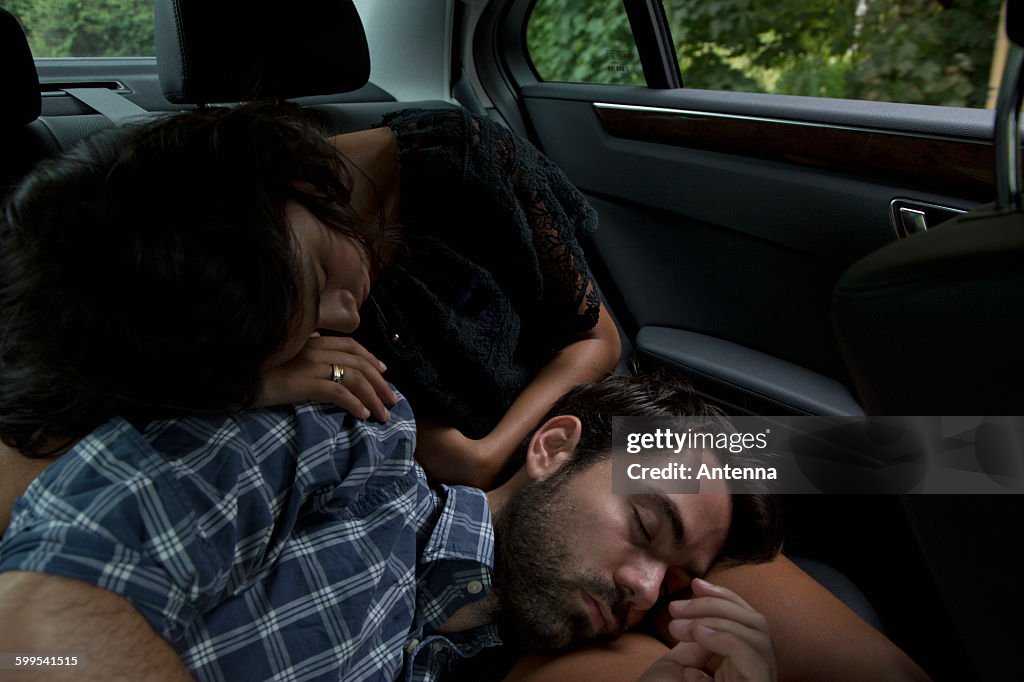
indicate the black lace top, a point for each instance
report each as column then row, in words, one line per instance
column 490, row 281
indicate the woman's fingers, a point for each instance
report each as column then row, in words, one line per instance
column 711, row 609
column 353, row 403
column 685, row 629
column 742, row 661
column 355, row 360
column 718, row 632
column 713, row 601
column 352, row 363
column 344, row 344
column 704, row 588
column 361, row 389
column 363, row 384
column 720, row 622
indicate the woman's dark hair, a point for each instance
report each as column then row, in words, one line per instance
column 150, row 270
column 756, row 531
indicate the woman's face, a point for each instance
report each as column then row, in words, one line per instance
column 335, row 282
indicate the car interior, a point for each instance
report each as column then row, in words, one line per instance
column 727, row 220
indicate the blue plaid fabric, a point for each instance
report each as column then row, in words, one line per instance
column 294, row 543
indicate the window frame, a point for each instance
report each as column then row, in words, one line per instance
column 654, row 43
column 656, row 50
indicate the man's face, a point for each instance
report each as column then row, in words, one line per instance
column 576, row 562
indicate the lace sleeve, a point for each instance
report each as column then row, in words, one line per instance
column 529, row 196
column 556, row 216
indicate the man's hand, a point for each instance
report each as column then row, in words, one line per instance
column 720, row 637
column 363, row 392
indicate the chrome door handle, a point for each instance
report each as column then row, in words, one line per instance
column 910, row 217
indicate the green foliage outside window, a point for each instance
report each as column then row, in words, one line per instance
column 86, row 28
column 583, row 41
column 929, row 52
column 916, row 51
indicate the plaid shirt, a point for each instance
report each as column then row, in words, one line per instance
column 293, row 543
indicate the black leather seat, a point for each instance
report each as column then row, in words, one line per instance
column 27, row 137
column 930, row 325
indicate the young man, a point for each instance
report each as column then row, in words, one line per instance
column 301, row 543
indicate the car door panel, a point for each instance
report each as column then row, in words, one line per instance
column 745, row 379
column 700, row 281
column 733, row 215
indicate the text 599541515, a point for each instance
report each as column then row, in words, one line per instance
column 37, row 660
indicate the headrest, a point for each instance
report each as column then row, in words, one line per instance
column 22, row 100
column 1015, row 22
column 216, row 51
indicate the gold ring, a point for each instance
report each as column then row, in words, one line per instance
column 337, row 374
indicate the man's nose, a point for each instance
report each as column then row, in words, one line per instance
column 643, row 579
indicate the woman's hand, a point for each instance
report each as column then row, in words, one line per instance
column 719, row 634
column 449, row 456
column 363, row 392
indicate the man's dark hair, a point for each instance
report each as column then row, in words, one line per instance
column 756, row 531
column 151, row 271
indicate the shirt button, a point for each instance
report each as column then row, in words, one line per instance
column 411, row 646
column 436, row 646
column 475, row 587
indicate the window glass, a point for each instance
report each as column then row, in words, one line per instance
column 86, row 28
column 583, row 41
column 915, row 51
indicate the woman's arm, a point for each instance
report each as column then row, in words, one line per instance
column 621, row 660
column 815, row 636
column 447, row 455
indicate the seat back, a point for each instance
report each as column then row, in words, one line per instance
column 23, row 139
column 930, row 324
column 21, row 83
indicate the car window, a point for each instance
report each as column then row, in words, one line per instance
column 583, row 41
column 944, row 52
column 86, row 28
column 913, row 51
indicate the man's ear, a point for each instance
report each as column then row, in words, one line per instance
column 552, row 445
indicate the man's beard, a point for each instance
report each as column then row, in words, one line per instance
column 537, row 581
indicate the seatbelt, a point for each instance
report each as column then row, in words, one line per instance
column 108, row 103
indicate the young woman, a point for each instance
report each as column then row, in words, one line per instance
column 482, row 308
column 443, row 246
